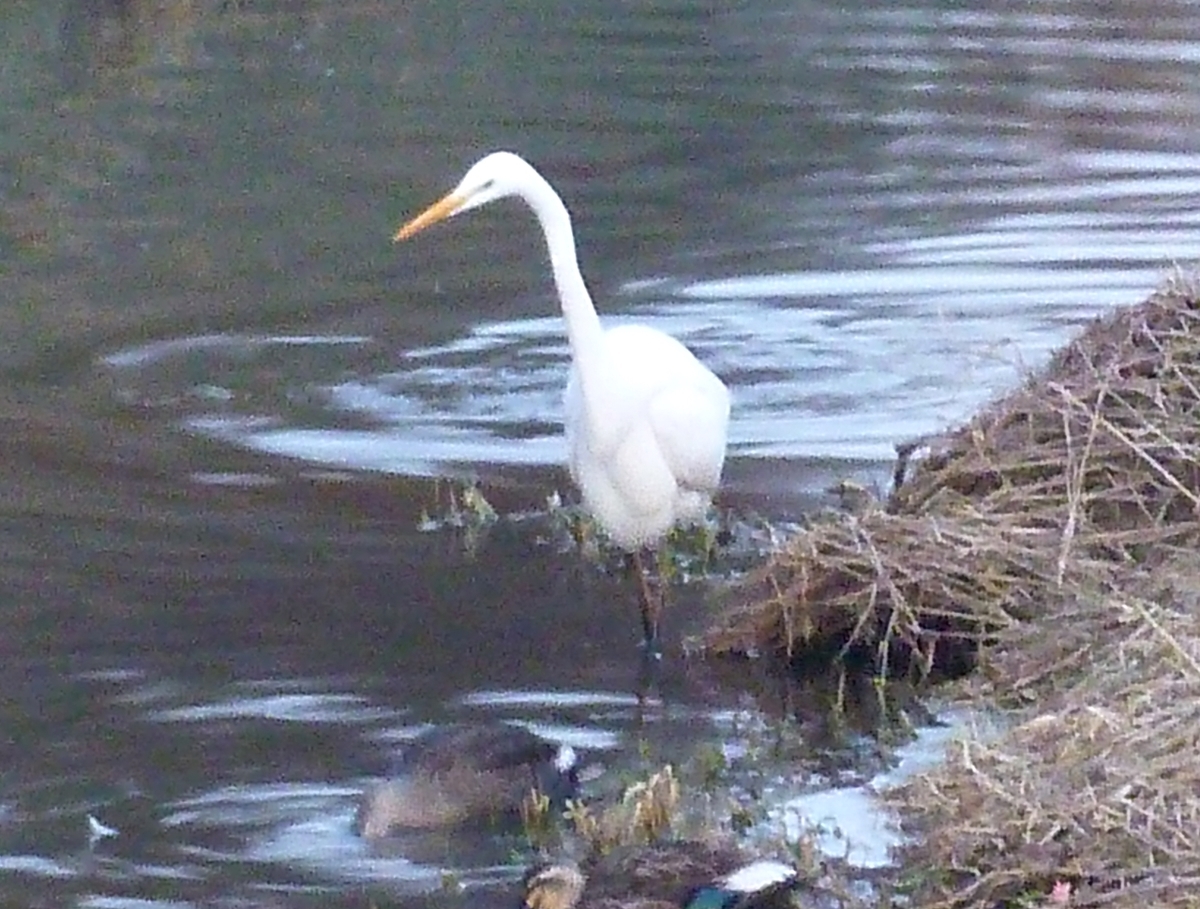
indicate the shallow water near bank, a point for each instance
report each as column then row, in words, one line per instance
column 227, row 399
column 241, row 838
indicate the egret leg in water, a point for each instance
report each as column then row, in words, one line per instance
column 652, row 600
column 645, row 421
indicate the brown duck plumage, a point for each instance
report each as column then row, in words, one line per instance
column 456, row 774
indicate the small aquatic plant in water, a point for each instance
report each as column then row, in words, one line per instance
column 538, row 821
column 466, row 508
column 645, row 813
column 720, row 545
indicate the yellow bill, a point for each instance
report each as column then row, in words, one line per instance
column 438, row 211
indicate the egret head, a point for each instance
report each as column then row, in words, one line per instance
column 498, row 175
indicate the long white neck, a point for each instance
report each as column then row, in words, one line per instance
column 583, row 325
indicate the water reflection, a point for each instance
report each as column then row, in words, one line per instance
column 97, row 37
column 823, row 365
column 867, row 218
column 241, row 788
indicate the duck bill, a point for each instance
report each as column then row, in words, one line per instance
column 438, row 211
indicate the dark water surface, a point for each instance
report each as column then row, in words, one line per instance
column 226, row 398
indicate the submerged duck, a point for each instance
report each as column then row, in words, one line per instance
column 464, row 772
column 691, row 875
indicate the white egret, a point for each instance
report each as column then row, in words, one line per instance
column 645, row 420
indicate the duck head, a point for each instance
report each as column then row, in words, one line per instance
column 552, row 886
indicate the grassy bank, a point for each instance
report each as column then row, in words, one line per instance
column 1052, row 544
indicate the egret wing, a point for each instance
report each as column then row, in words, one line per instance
column 691, row 422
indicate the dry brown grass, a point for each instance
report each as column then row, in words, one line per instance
column 1061, row 526
column 887, row 581
column 1102, row 447
column 1099, row 787
column 1088, row 472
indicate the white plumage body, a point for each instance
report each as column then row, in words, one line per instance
column 647, row 444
